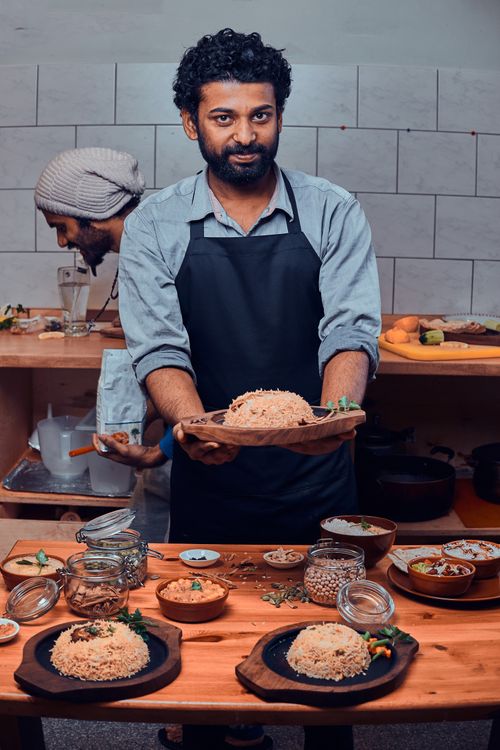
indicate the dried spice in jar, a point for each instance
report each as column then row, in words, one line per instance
column 330, row 565
column 95, row 585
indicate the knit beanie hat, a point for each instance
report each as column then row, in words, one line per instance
column 89, row 183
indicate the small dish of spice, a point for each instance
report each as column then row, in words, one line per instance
column 199, row 558
column 8, row 629
column 283, row 558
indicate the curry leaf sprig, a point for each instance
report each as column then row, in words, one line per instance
column 395, row 634
column 136, row 622
column 344, row 404
column 41, row 559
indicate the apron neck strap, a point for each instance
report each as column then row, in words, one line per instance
column 197, row 227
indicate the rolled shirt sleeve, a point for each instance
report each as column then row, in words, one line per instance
column 349, row 288
column 149, row 307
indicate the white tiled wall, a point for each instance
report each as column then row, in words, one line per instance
column 419, row 146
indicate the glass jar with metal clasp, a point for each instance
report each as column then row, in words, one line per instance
column 329, row 566
column 109, row 535
column 94, row 586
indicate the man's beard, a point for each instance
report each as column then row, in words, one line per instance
column 239, row 174
column 93, row 245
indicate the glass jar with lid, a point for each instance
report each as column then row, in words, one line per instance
column 365, row 605
column 329, row 566
column 95, row 585
column 109, row 534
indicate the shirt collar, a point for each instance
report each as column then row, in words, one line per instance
column 204, row 201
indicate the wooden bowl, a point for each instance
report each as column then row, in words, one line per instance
column 375, row 546
column 191, row 611
column 12, row 579
column 441, row 585
column 484, row 568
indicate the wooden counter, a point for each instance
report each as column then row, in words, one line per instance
column 455, row 675
column 85, row 353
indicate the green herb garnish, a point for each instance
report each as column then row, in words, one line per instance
column 364, row 524
column 92, row 629
column 24, row 562
column 395, row 634
column 136, row 622
column 42, row 559
column 196, row 585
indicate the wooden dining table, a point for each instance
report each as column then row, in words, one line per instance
column 454, row 676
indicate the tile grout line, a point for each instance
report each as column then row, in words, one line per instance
column 115, row 93
column 472, row 284
column 393, row 284
column 317, row 151
column 357, row 96
column 437, row 100
column 36, row 94
column 397, row 162
column 155, row 142
column 434, row 230
column 477, row 164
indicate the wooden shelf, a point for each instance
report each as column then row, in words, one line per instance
column 51, row 498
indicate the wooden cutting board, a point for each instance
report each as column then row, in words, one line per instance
column 429, row 353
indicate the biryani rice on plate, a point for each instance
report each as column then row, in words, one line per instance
column 99, row 650
column 329, row 652
column 269, row 410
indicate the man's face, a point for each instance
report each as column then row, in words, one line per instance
column 92, row 241
column 237, row 130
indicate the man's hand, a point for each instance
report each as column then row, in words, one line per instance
column 139, row 456
column 320, row 447
column 210, row 453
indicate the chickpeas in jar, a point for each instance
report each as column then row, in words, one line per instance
column 330, row 565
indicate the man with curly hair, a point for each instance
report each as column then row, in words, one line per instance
column 248, row 276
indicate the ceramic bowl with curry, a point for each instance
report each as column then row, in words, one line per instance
column 192, row 599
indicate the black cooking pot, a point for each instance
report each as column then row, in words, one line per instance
column 407, row 488
column 373, row 439
column 486, row 477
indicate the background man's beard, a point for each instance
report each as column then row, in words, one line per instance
column 93, row 245
column 239, row 174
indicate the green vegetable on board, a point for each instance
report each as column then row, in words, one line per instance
column 135, row 621
column 430, row 338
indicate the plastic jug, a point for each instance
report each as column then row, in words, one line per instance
column 106, row 476
column 57, row 437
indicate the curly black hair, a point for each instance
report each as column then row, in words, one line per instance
column 227, row 56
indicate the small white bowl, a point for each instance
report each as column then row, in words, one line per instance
column 281, row 565
column 192, row 557
column 11, row 636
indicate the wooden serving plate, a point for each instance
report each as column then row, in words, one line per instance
column 37, row 676
column 210, row 427
column 482, row 589
column 267, row 673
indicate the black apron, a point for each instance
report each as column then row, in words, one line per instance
column 251, row 307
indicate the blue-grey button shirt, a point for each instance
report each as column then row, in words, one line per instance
column 156, row 237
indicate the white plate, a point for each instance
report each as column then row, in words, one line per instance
column 281, row 565
column 473, row 317
column 192, row 557
column 6, row 638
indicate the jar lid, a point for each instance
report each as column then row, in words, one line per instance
column 365, row 603
column 106, row 525
column 32, row 598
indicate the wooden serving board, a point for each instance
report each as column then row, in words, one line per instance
column 37, row 676
column 267, row 673
column 210, row 427
column 418, row 351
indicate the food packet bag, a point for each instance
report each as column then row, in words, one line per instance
column 121, row 402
